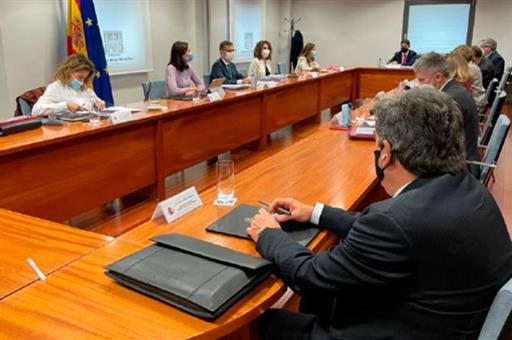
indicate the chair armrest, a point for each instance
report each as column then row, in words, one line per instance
column 481, row 163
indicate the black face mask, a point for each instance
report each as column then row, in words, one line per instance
column 404, row 49
column 378, row 170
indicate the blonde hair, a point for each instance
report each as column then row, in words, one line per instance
column 458, row 67
column 465, row 51
column 75, row 63
column 306, row 52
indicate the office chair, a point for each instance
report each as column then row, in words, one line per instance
column 491, row 89
column 154, row 89
column 25, row 108
column 493, row 150
column 281, row 68
column 487, row 126
column 206, row 79
column 498, row 317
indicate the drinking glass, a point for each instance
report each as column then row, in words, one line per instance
column 225, row 181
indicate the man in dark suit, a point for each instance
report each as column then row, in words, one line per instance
column 489, row 47
column 486, row 66
column 405, row 56
column 224, row 67
column 432, row 69
column 425, row 264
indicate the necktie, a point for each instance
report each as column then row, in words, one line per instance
column 404, row 58
column 230, row 75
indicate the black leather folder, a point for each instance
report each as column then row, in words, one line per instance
column 236, row 222
column 195, row 276
column 20, row 126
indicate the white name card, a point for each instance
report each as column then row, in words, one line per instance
column 176, row 206
column 341, row 68
column 214, row 96
column 314, row 74
column 121, row 116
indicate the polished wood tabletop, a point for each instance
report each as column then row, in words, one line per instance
column 80, row 301
column 59, row 172
column 51, row 246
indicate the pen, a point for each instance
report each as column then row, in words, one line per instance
column 36, row 269
column 280, row 210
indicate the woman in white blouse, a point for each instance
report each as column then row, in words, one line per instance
column 70, row 91
column 306, row 61
column 261, row 65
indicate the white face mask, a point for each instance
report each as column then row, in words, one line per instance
column 230, row 56
column 265, row 53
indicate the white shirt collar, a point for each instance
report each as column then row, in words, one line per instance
column 399, row 191
column 442, row 87
column 225, row 62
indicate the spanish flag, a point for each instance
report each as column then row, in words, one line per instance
column 83, row 37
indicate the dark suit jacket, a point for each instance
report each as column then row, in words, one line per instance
column 219, row 70
column 424, row 265
column 296, row 48
column 467, row 105
column 411, row 58
column 488, row 71
column 499, row 63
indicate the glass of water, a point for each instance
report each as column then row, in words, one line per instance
column 225, row 182
column 94, row 117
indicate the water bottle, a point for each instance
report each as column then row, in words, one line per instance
column 379, row 62
column 254, row 83
column 346, row 115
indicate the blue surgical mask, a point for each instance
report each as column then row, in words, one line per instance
column 313, row 54
column 190, row 57
column 75, row 84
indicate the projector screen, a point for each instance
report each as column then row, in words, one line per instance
column 439, row 28
column 125, row 29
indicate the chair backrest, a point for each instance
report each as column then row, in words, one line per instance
column 206, row 78
column 154, row 89
column 495, row 110
column 493, row 150
column 498, row 314
column 281, row 68
column 493, row 84
column 26, row 110
column 504, row 79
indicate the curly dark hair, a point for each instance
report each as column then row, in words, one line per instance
column 259, row 47
column 425, row 129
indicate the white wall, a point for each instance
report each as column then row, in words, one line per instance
column 347, row 32
column 493, row 19
column 274, row 12
column 351, row 32
column 358, row 32
column 34, row 42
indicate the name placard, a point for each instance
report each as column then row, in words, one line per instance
column 121, row 116
column 178, row 205
column 214, row 96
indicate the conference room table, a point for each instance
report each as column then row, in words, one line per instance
column 80, row 301
column 50, row 245
column 57, row 172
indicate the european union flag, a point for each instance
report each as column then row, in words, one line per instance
column 95, row 51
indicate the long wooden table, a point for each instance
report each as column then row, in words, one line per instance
column 51, row 245
column 59, row 172
column 80, row 301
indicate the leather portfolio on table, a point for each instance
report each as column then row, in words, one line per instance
column 19, row 124
column 236, row 222
column 195, row 276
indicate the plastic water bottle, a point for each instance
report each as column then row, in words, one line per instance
column 379, row 62
column 254, row 83
column 346, row 115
